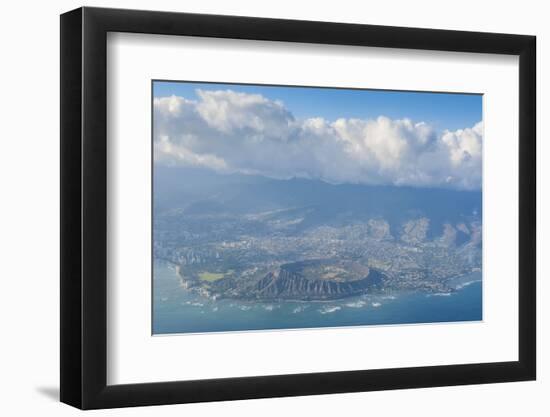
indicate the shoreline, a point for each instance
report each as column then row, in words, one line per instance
column 387, row 295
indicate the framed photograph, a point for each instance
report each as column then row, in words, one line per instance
column 257, row 208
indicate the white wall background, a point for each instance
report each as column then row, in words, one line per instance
column 29, row 237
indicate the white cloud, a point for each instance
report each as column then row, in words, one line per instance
column 248, row 133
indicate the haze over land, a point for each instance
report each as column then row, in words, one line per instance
column 245, row 229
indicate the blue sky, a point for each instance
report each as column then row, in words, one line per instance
column 440, row 110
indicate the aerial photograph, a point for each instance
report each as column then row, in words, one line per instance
column 285, row 207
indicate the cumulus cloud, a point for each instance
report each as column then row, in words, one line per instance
column 230, row 131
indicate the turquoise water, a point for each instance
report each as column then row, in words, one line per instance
column 176, row 310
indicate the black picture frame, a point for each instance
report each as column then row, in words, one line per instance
column 84, row 207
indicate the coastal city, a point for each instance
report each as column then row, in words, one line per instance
column 222, row 255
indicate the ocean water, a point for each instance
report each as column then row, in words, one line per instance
column 176, row 310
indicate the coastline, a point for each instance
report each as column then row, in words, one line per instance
column 180, row 311
column 457, row 287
